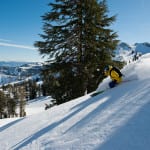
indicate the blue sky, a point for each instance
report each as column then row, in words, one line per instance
column 133, row 21
column 20, row 24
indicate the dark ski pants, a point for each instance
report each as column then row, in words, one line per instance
column 112, row 84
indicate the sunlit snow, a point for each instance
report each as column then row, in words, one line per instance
column 117, row 119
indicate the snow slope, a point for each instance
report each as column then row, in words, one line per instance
column 127, row 53
column 118, row 119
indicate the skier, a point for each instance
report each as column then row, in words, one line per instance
column 115, row 75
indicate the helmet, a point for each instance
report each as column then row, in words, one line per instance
column 106, row 68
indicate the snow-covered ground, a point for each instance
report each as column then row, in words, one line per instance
column 118, row 119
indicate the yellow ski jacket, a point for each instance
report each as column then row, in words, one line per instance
column 113, row 74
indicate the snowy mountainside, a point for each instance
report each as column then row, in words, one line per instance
column 142, row 47
column 124, row 46
column 117, row 119
column 12, row 63
column 129, row 53
column 16, row 71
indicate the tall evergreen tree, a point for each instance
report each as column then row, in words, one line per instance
column 11, row 107
column 32, row 89
column 77, row 41
column 22, row 101
column 3, row 104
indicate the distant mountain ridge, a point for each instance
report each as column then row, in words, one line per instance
column 142, row 48
column 12, row 63
column 16, row 71
column 126, row 52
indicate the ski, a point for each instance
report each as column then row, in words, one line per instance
column 99, row 92
column 96, row 93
